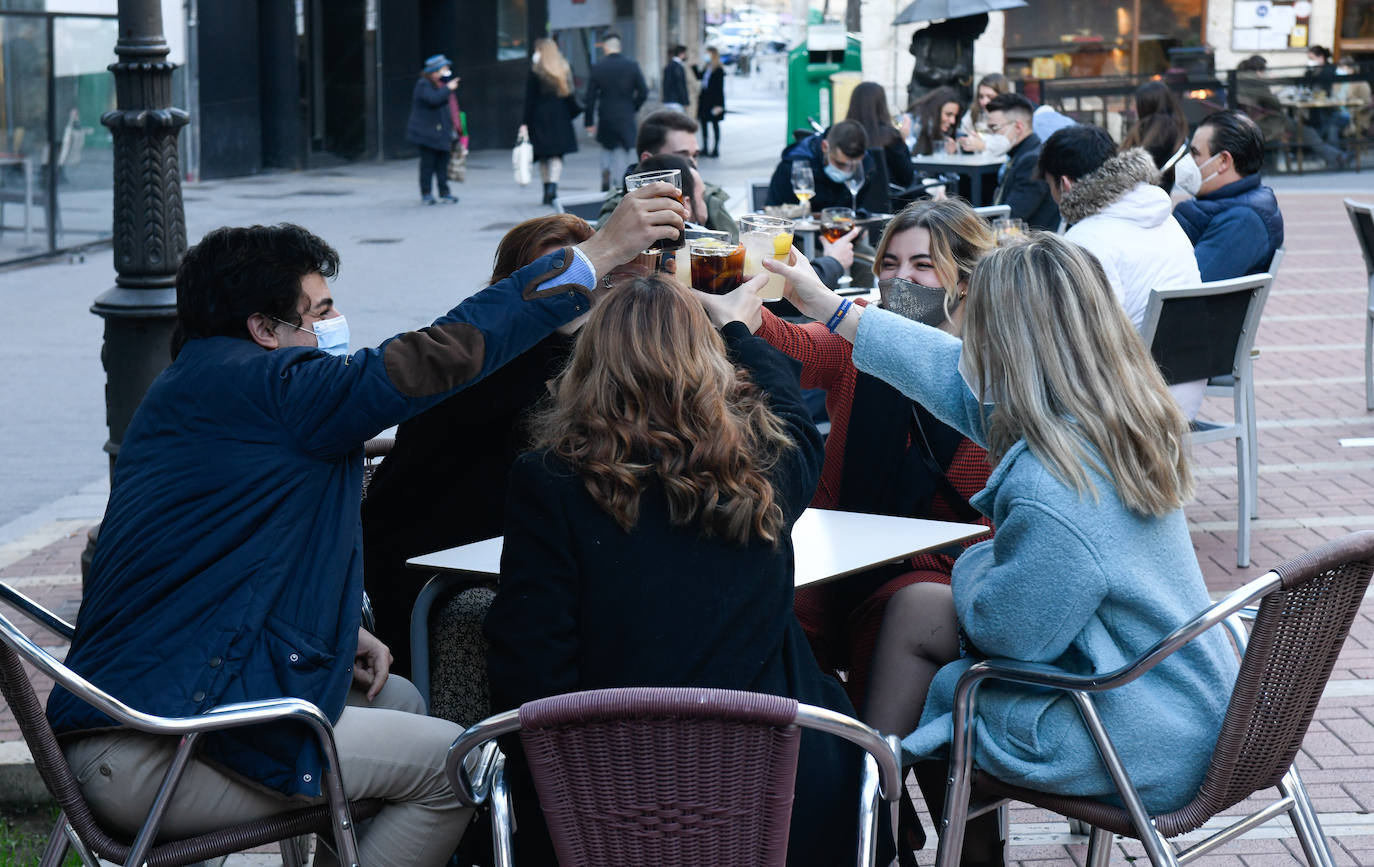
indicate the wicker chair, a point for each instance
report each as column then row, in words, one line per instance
column 684, row 776
column 78, row 828
column 1305, row 610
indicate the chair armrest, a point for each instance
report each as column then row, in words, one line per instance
column 1040, row 674
column 37, row 613
column 458, row 766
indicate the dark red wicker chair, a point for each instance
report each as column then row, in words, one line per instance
column 77, row 826
column 1305, row 610
column 681, row 776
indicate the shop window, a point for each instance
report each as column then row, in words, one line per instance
column 1081, row 38
column 512, row 29
column 1357, row 26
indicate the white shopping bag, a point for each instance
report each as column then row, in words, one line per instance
column 522, row 160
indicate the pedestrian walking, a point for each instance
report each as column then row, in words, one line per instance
column 675, row 95
column 614, row 94
column 550, row 108
column 432, row 124
column 711, row 105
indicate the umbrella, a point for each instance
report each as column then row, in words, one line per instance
column 929, row 10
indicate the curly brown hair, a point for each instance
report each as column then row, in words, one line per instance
column 650, row 395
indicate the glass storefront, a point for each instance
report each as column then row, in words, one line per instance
column 56, row 173
column 1090, row 38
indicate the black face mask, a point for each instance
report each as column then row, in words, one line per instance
column 924, row 304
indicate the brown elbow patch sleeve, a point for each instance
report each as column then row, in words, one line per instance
column 436, row 359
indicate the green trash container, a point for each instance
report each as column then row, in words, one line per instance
column 827, row 50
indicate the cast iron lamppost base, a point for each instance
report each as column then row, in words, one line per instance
column 149, row 222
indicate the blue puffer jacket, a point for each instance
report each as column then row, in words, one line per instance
column 1234, row 229
column 229, row 565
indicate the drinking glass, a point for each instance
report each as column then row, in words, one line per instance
column 854, row 181
column 671, row 176
column 765, row 237
column 836, row 223
column 803, row 182
column 717, row 262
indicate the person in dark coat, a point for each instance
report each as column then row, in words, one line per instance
column 675, row 95
column 1019, row 184
column 943, row 54
column 711, row 102
column 444, row 482
column 615, row 92
column 868, row 108
column 432, row 124
column 550, row 108
column 658, row 552
column 833, row 157
column 1234, row 222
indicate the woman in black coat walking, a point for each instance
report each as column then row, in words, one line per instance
column 648, row 539
column 550, row 109
column 433, row 112
column 711, row 103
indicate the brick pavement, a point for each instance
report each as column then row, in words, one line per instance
column 1310, row 395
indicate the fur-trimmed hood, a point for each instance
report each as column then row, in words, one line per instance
column 1096, row 191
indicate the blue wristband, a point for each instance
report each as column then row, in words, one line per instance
column 834, row 321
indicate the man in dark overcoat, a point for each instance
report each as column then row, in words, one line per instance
column 614, row 94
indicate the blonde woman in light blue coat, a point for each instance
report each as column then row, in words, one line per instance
column 1092, row 562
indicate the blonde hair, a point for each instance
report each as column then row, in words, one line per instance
column 649, row 395
column 958, row 239
column 1070, row 375
column 552, row 68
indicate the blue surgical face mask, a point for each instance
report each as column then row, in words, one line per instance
column 837, row 175
column 331, row 335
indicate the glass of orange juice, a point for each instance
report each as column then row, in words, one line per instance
column 765, row 237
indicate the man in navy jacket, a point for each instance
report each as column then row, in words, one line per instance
column 229, row 565
column 1234, row 222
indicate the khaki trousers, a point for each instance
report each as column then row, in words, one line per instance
column 387, row 748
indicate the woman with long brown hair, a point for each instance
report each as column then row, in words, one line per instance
column 550, row 109
column 648, row 536
column 868, row 108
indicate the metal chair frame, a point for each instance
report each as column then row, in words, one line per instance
column 187, row 729
column 1358, row 211
column 475, row 769
column 1242, row 422
column 993, row 212
column 1229, row 611
column 1225, row 386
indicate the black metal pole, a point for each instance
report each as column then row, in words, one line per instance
column 149, row 223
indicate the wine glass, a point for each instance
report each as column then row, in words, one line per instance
column 803, row 183
column 854, row 181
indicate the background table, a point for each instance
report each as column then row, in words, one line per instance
column 975, row 167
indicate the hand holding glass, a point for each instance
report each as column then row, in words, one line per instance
column 671, row 176
column 765, row 237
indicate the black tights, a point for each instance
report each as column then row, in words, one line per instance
column 919, row 635
column 707, row 126
column 433, row 166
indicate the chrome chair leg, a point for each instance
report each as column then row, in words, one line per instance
column 1305, row 821
column 56, row 850
column 1099, row 847
column 295, row 851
